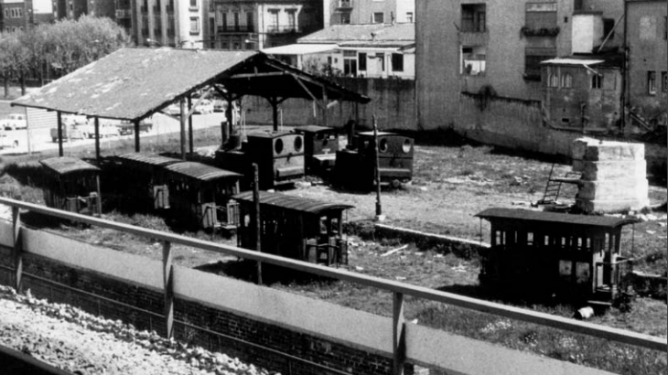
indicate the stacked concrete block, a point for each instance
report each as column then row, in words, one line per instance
column 613, row 175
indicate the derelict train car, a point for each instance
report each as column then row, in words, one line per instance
column 355, row 168
column 199, row 195
column 294, row 227
column 72, row 185
column 145, row 180
column 320, row 146
column 278, row 154
column 535, row 253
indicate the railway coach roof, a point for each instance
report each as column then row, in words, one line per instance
column 64, row 165
column 291, row 202
column 156, row 160
column 133, row 83
column 200, row 171
column 514, row 214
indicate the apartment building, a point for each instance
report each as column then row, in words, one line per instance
column 18, row 15
column 359, row 12
column 471, row 46
column 646, row 38
column 73, row 9
column 174, row 23
column 252, row 24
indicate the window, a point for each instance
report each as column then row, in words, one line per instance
column 224, row 17
column 540, row 16
column 237, row 45
column 361, row 62
column 273, row 20
column 596, row 81
column 409, row 17
column 664, row 82
column 566, row 81
column 250, row 21
column 345, row 18
column 397, row 62
column 651, row 83
column 236, row 21
column 608, row 26
column 381, row 61
column 378, row 17
column 532, row 59
column 292, row 20
column 194, row 25
column 473, row 60
column 193, row 3
column 474, row 18
column 350, row 67
column 553, row 80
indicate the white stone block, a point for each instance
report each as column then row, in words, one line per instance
column 610, row 206
column 606, row 151
column 619, row 189
column 578, row 165
column 613, row 170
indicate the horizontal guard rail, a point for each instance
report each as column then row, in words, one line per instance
column 609, row 333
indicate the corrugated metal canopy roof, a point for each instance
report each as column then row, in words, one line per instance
column 156, row 160
column 291, row 202
column 132, row 83
column 64, row 165
column 572, row 61
column 514, row 214
column 199, row 171
column 374, row 33
column 313, row 129
column 300, row 49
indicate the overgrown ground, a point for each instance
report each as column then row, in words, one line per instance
column 452, row 183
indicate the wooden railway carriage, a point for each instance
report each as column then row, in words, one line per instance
column 541, row 253
column 278, row 154
column 294, row 227
column 320, row 146
column 200, row 194
column 355, row 168
column 145, row 181
column 72, row 185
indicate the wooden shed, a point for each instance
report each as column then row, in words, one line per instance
column 546, row 253
column 294, row 227
column 72, row 185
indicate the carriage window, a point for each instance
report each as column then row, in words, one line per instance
column 246, row 221
column 383, row 145
column 530, row 238
column 323, row 225
column 335, row 226
column 298, row 143
column 547, row 240
column 499, row 237
column 278, row 146
column 407, row 146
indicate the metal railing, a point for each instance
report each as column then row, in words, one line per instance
column 398, row 289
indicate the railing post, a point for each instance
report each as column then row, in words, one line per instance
column 398, row 334
column 168, row 278
column 18, row 251
column 258, row 220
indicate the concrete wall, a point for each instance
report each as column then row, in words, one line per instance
column 647, row 52
column 393, row 101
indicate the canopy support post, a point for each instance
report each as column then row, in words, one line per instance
column 60, row 134
column 97, row 139
column 182, row 103
column 274, row 107
column 229, row 116
column 136, row 123
column 324, row 106
column 190, row 125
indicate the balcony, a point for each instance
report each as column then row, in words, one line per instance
column 344, row 4
column 281, row 29
column 473, row 38
column 230, row 29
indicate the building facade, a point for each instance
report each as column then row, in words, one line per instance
column 174, row 23
column 474, row 46
column 359, row 12
column 252, row 24
column 73, row 9
column 646, row 39
column 18, row 15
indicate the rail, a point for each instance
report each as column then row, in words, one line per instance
column 398, row 289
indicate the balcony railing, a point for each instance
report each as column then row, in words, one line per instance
column 279, row 29
column 236, row 29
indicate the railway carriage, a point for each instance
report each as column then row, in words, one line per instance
column 294, row 227
column 72, row 185
column 535, row 253
column 145, row 182
column 355, row 168
column 278, row 154
column 200, row 195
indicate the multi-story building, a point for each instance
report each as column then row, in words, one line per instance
column 73, row 9
column 253, row 24
column 22, row 14
column 495, row 46
column 646, row 39
column 359, row 12
column 176, row 23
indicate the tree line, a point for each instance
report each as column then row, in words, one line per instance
column 52, row 50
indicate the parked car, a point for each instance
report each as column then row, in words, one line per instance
column 6, row 141
column 107, row 129
column 173, row 110
column 128, row 127
column 69, row 132
column 219, row 105
column 203, row 107
column 14, row 121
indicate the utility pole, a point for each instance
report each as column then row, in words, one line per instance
column 379, row 208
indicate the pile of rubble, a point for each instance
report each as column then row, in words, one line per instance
column 73, row 340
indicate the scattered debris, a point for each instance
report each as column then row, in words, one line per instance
column 400, row 278
column 393, row 251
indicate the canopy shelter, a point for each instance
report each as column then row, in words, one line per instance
column 134, row 83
